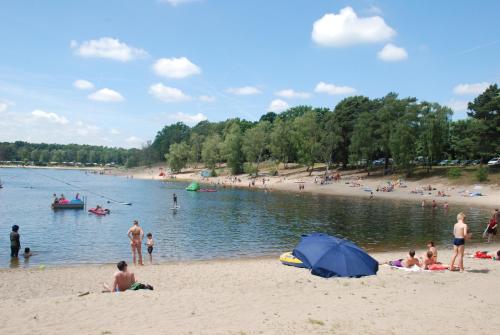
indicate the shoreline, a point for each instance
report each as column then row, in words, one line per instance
column 345, row 187
column 253, row 296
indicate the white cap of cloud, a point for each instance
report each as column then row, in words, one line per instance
column 207, row 98
column 278, row 106
column 168, row 94
column 190, row 119
column 83, row 84
column 107, row 47
column 392, row 53
column 51, row 117
column 458, row 105
column 291, row 94
column 245, row 90
column 470, row 89
column 114, row 131
column 134, row 141
column 333, row 89
column 346, row 28
column 176, row 3
column 3, row 106
column 175, row 68
column 106, row 95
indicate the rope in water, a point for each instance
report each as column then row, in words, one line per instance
column 76, row 187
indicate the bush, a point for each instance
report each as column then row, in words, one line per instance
column 213, row 173
column 454, row 173
column 250, row 168
column 482, row 173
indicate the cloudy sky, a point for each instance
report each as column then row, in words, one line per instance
column 115, row 72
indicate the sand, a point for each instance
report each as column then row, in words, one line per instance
column 455, row 194
column 252, row 296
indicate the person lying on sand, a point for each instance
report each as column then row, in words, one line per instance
column 405, row 263
column 486, row 255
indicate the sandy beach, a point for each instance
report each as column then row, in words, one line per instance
column 350, row 185
column 252, row 296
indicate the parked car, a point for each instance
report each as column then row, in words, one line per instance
column 443, row 162
column 379, row 162
column 454, row 162
column 476, row 162
column 494, row 161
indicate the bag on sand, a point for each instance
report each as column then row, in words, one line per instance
column 140, row 286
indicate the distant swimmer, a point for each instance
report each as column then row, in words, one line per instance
column 136, row 235
column 175, row 200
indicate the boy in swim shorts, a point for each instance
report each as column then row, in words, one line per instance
column 149, row 244
column 460, row 233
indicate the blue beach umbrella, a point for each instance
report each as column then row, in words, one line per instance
column 329, row 256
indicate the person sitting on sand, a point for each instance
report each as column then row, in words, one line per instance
column 122, row 279
column 409, row 262
column 432, row 248
column 428, row 260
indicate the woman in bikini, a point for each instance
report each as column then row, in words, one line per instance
column 136, row 235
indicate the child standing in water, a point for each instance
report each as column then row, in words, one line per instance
column 460, row 233
column 149, row 244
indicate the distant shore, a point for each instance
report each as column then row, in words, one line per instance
column 352, row 185
column 252, row 296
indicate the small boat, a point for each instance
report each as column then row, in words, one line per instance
column 288, row 259
column 207, row 190
column 99, row 211
column 73, row 204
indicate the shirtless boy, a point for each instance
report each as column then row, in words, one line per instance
column 123, row 279
column 460, row 233
column 136, row 235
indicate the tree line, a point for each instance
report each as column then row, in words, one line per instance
column 399, row 131
column 70, row 154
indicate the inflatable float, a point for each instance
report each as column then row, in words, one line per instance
column 66, row 204
column 99, row 211
column 207, row 190
column 193, row 187
column 288, row 259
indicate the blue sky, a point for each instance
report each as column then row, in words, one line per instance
column 115, row 72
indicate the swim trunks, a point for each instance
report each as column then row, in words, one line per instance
column 397, row 263
column 459, row 241
column 492, row 231
column 150, row 249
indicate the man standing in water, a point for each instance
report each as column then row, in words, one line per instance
column 175, row 200
column 15, row 242
column 460, row 233
column 136, row 235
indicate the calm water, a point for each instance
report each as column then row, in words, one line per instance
column 229, row 223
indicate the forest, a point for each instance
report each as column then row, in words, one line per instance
column 358, row 131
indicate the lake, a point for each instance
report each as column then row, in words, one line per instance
column 227, row 223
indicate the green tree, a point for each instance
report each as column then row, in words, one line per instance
column 307, row 139
column 256, row 142
column 177, row 156
column 486, row 109
column 210, row 153
column 281, row 142
column 231, row 148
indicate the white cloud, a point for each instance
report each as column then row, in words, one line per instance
column 134, row 141
column 83, row 84
column 114, row 131
column 175, row 68
column 470, row 89
column 332, row 89
column 51, row 117
column 207, row 98
column 458, row 105
column 291, row 94
column 176, row 3
column 106, row 95
column 278, row 106
column 107, row 47
column 392, row 53
column 245, row 90
column 3, row 106
column 346, row 28
column 190, row 119
column 168, row 94
column 83, row 129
